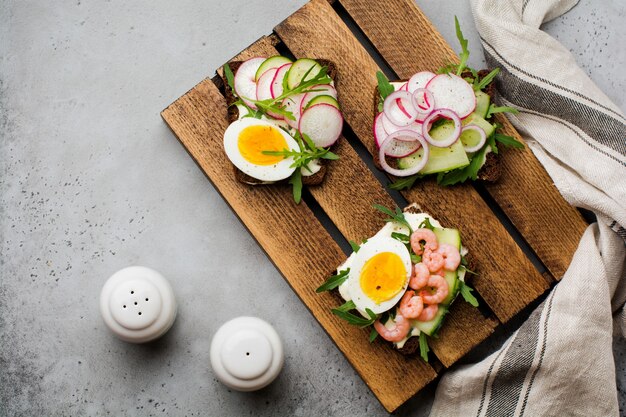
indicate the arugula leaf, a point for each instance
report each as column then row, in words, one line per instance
column 404, row 183
column 415, row 258
column 427, row 224
column 401, row 237
column 354, row 319
column 491, row 142
column 296, row 181
column 334, row 281
column 347, row 306
column 508, row 141
column 230, row 78
column 424, row 349
column 384, row 88
column 479, row 85
column 493, row 109
column 466, row 292
column 355, row 246
column 397, row 217
column 464, row 55
column 373, row 335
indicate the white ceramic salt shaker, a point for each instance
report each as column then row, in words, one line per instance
column 246, row 354
column 138, row 304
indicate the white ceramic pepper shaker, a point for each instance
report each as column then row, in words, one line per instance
column 138, row 304
column 246, row 354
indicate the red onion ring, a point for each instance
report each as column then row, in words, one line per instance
column 391, row 101
column 483, row 138
column 429, row 98
column 389, row 141
column 448, row 114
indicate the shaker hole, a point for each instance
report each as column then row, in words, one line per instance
column 124, row 306
column 135, row 302
column 139, row 313
column 247, row 353
column 146, row 299
column 132, row 292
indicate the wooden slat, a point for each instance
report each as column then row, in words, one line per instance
column 495, row 251
column 524, row 192
column 303, row 254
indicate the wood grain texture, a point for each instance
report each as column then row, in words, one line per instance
column 524, row 192
column 303, row 254
column 496, row 252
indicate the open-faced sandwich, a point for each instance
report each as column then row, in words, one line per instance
column 403, row 280
column 440, row 123
column 284, row 117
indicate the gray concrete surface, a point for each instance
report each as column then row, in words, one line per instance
column 91, row 180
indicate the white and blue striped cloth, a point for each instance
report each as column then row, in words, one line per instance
column 560, row 361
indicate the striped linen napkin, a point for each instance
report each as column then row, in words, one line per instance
column 560, row 361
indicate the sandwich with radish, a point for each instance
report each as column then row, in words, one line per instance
column 441, row 124
column 284, row 118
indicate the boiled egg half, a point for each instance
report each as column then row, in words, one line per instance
column 244, row 143
column 379, row 274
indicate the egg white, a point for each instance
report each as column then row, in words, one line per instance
column 275, row 172
column 368, row 250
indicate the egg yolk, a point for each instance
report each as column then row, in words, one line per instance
column 383, row 276
column 253, row 140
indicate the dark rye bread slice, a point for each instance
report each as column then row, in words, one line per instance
column 491, row 169
column 233, row 115
column 411, row 346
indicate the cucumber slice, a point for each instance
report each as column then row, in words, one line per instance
column 271, row 62
column 299, row 68
column 440, row 159
column 479, row 121
column 431, row 327
column 451, row 237
column 323, row 99
column 482, row 104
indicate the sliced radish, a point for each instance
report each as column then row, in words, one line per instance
column 320, row 90
column 454, row 136
column 271, row 62
column 277, row 83
column 419, row 80
column 264, row 84
column 391, row 128
column 245, row 86
column 322, row 123
column 292, row 104
column 482, row 138
column 407, row 136
column 394, row 113
column 454, row 93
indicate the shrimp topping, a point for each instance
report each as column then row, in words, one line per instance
column 423, row 235
column 440, row 288
column 396, row 333
column 433, row 260
column 420, row 276
column 411, row 305
column 429, row 312
column 451, row 256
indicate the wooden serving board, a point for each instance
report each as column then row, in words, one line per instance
column 304, row 251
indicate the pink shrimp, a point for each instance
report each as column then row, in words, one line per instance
column 440, row 286
column 420, row 276
column 423, row 235
column 451, row 256
column 433, row 260
column 396, row 333
column 411, row 305
column 429, row 312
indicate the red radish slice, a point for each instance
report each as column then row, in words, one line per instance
column 392, row 109
column 481, row 142
column 401, row 145
column 277, row 83
column 401, row 148
column 391, row 128
column 390, row 141
column 322, row 90
column 244, row 83
column 454, row 136
column 424, row 102
column 264, row 84
column 419, row 80
column 454, row 93
column 292, row 104
column 322, row 123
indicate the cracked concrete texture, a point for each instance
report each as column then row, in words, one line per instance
column 91, row 180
